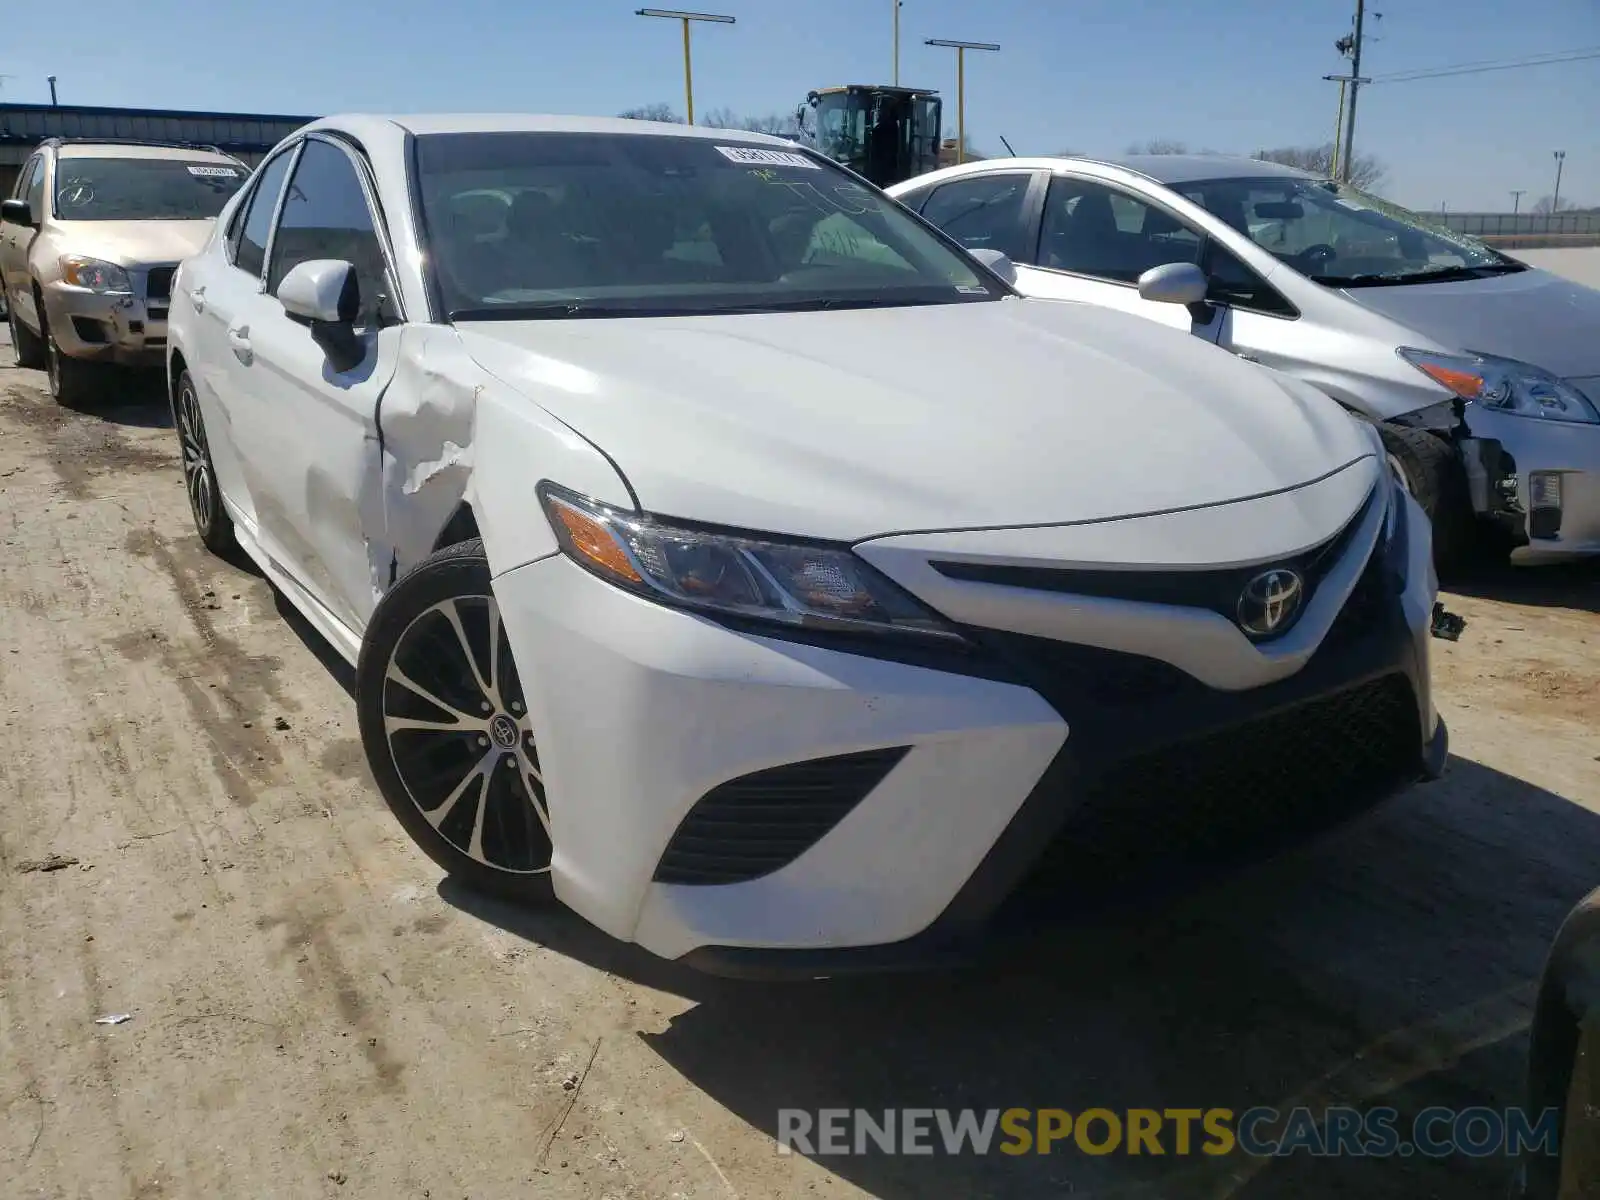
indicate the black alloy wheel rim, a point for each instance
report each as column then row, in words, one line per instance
column 460, row 738
column 197, row 477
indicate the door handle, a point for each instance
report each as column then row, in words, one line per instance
column 239, row 343
column 198, row 297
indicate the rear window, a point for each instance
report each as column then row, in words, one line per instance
column 143, row 189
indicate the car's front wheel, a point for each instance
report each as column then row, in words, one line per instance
column 211, row 520
column 25, row 343
column 446, row 728
column 73, row 384
column 1428, row 467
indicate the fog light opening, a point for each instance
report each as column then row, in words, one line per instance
column 1544, row 505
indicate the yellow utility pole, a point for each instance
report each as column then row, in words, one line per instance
column 688, row 64
column 961, row 49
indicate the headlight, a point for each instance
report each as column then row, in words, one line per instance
column 95, row 275
column 1504, row 385
column 784, row 583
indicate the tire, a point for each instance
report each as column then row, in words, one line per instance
column 73, row 384
column 211, row 520
column 1432, row 473
column 446, row 730
column 28, row 346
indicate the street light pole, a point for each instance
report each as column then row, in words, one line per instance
column 897, row 42
column 961, row 49
column 1555, row 200
column 1516, row 199
column 688, row 65
column 1355, row 90
column 52, row 80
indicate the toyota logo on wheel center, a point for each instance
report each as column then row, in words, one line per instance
column 1270, row 601
column 504, row 731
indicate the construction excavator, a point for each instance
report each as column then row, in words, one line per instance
column 886, row 134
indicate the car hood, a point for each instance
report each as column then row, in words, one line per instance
column 1533, row 316
column 850, row 424
column 135, row 243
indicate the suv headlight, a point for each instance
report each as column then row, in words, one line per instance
column 779, row 582
column 1505, row 385
column 95, row 275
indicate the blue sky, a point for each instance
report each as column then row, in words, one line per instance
column 1093, row 75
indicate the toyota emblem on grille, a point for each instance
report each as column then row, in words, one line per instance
column 1269, row 602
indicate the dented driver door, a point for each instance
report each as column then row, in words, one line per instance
column 312, row 429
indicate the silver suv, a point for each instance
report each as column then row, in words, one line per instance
column 89, row 241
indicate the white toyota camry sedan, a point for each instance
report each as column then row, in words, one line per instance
column 727, row 554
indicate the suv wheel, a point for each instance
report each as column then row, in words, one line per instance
column 72, row 383
column 27, row 344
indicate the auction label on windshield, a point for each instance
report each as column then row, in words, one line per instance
column 214, row 172
column 756, row 157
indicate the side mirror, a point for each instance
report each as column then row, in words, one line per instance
column 18, row 212
column 325, row 294
column 1178, row 283
column 998, row 262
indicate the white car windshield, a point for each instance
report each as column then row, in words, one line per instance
column 526, row 225
column 1341, row 236
column 143, row 189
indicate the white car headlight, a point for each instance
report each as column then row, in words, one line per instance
column 783, row 583
column 95, row 275
column 1505, row 385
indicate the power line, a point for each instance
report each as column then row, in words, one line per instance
column 1476, row 68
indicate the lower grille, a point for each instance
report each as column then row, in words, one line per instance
column 1226, row 794
column 158, row 283
column 760, row 823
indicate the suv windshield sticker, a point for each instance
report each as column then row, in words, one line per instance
column 766, row 158
column 214, row 172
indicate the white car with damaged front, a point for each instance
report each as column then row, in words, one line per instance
column 727, row 554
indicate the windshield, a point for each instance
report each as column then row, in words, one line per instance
column 143, row 189
column 571, row 224
column 1341, row 236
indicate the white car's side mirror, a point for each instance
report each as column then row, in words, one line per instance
column 325, row 294
column 323, row 290
column 1174, row 283
column 998, row 262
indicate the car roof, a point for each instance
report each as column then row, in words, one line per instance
column 1189, row 168
column 423, row 124
column 76, row 149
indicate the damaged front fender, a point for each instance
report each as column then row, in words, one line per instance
column 452, row 434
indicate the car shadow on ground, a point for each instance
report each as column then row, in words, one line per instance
column 1390, row 962
column 1574, row 585
column 133, row 398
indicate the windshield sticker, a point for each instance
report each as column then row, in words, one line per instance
column 967, row 290
column 754, row 156
column 1352, row 205
column 214, row 172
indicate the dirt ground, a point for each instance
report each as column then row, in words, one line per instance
column 312, row 1012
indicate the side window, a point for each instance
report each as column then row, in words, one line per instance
column 1092, row 229
column 1235, row 284
column 19, row 186
column 250, row 251
column 326, row 216
column 35, row 193
column 985, row 213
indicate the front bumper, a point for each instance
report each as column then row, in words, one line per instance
column 655, row 726
column 109, row 327
column 1518, row 448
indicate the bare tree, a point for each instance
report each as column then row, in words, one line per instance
column 1365, row 171
column 776, row 124
column 652, row 112
column 1547, row 204
column 1159, row 146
